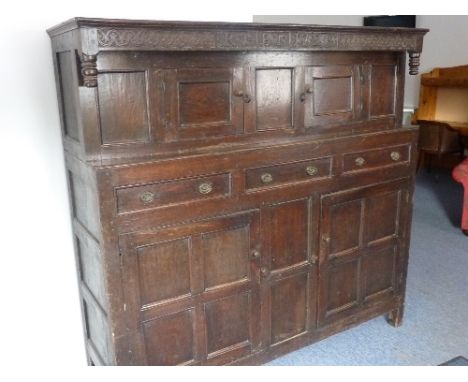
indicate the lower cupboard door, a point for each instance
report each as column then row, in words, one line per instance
column 288, row 271
column 192, row 292
column 361, row 248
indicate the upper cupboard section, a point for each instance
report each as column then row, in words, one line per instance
column 151, row 99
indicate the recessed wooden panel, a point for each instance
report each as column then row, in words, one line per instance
column 66, row 62
column 204, row 103
column 345, row 226
column 288, row 307
column 379, row 271
column 169, row 340
column 332, row 95
column 85, row 204
column 289, row 225
column 381, row 216
column 91, row 268
column 200, row 102
column 97, row 328
column 274, row 103
column 227, row 322
column 342, row 285
column 164, row 271
column 383, row 89
column 123, row 107
column 226, row 256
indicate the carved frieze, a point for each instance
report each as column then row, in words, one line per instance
column 159, row 39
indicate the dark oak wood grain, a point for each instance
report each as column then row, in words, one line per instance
column 238, row 190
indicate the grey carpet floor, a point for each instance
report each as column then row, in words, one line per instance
column 435, row 324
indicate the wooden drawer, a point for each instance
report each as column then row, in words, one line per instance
column 283, row 173
column 370, row 159
column 174, row 191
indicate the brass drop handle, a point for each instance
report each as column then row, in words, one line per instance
column 308, row 90
column 255, row 255
column 266, row 178
column 147, row 197
column 205, row 188
column 311, row 170
column 245, row 97
column 395, row 155
column 360, row 161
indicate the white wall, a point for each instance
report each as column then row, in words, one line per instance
column 445, row 45
column 40, row 317
column 355, row 20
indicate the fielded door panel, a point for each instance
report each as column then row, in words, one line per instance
column 331, row 95
column 192, row 292
column 201, row 102
column 360, row 247
column 288, row 270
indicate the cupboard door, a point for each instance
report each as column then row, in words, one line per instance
column 288, row 271
column 273, row 93
column 331, row 95
column 202, row 103
column 361, row 232
column 192, row 292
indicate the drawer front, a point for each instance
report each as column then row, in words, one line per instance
column 283, row 173
column 163, row 193
column 371, row 159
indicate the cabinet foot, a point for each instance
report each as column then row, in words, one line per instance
column 395, row 317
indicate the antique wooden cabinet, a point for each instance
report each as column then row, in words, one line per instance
column 238, row 190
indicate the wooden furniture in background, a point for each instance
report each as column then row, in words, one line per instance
column 442, row 112
column 437, row 139
column 238, row 190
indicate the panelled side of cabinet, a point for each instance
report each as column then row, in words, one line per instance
column 84, row 204
column 237, row 191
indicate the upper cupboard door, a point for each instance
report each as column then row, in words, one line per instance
column 201, row 102
column 331, row 95
column 273, row 105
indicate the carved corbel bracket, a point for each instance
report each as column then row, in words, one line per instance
column 414, row 63
column 88, row 70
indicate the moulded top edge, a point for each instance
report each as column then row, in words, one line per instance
column 78, row 22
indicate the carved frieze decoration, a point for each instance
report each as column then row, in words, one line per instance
column 127, row 38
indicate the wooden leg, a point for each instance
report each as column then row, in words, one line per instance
column 420, row 160
column 395, row 317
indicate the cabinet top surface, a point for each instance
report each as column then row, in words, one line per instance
column 189, row 35
column 78, row 22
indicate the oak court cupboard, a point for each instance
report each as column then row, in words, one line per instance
column 238, row 190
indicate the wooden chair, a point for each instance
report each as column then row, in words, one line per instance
column 437, row 139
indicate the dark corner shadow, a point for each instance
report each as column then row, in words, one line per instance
column 448, row 192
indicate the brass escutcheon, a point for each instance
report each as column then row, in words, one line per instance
column 266, row 178
column 311, row 170
column 359, row 161
column 205, row 188
column 395, row 155
column 147, row 197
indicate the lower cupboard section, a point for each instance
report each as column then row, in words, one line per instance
column 247, row 287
